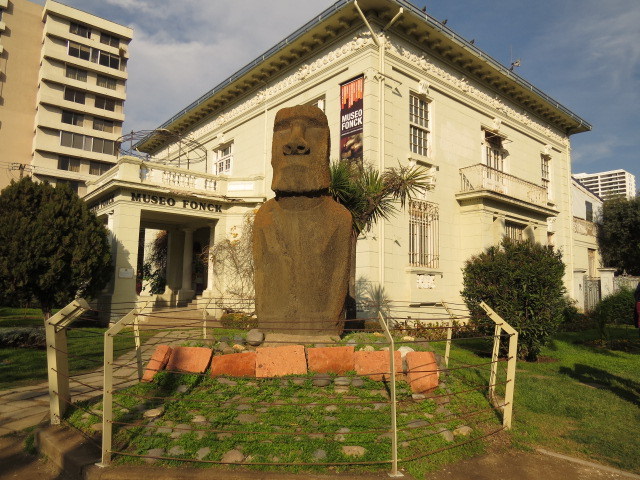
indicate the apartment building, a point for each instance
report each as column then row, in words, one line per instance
column 612, row 183
column 398, row 88
column 64, row 74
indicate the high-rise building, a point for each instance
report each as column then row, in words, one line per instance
column 613, row 183
column 62, row 92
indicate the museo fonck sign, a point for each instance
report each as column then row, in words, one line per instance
column 172, row 202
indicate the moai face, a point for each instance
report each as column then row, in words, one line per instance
column 300, row 150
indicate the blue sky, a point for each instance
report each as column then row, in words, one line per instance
column 583, row 53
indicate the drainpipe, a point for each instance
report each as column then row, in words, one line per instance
column 380, row 42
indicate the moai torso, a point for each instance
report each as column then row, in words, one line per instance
column 301, row 240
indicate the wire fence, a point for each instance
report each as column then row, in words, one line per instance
column 389, row 409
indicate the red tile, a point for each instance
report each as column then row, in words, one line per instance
column 234, row 365
column 157, row 362
column 331, row 359
column 375, row 365
column 190, row 359
column 280, row 361
column 423, row 372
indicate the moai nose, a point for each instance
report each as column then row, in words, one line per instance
column 297, row 145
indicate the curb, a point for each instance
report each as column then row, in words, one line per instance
column 586, row 463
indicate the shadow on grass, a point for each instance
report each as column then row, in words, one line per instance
column 624, row 388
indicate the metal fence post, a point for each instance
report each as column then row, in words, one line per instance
column 511, row 363
column 57, row 357
column 107, row 393
column 394, row 427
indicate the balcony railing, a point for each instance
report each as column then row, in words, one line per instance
column 479, row 177
column 584, row 227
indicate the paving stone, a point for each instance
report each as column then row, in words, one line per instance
column 342, row 381
column 176, row 451
column 447, row 435
column 418, row 424
column 202, row 453
column 154, row 412
column 354, row 450
column 226, row 381
column 247, row 418
column 255, row 337
column 180, row 430
column 239, row 348
column 154, row 452
column 223, row 435
column 357, row 382
column 330, row 408
column 339, row 437
column 234, row 365
column 199, row 419
column 158, row 362
column 164, row 430
column 341, row 389
column 464, row 431
column 330, row 359
column 320, row 380
column 182, row 389
column 320, row 454
column 375, row 365
column 280, row 361
column 233, row 456
column 384, row 437
column 190, row 359
column 422, row 371
column 329, row 419
column 367, row 348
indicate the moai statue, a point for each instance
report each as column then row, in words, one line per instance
column 301, row 238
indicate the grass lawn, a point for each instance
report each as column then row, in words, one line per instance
column 27, row 366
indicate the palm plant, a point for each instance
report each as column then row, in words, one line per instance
column 371, row 196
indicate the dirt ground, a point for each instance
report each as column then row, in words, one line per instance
column 16, row 464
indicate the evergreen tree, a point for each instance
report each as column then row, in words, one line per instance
column 619, row 234
column 52, row 248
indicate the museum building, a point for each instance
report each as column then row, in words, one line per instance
column 398, row 88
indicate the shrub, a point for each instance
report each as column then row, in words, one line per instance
column 22, row 338
column 242, row 321
column 522, row 282
column 615, row 309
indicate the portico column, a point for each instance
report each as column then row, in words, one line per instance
column 187, row 259
column 210, row 273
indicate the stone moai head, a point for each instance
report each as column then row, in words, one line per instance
column 300, row 150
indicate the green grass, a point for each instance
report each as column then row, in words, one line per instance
column 21, row 317
column 583, row 401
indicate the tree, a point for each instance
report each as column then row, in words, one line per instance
column 154, row 270
column 52, row 247
column 619, row 234
column 521, row 282
column 371, row 196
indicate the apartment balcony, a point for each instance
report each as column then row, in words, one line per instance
column 584, row 227
column 479, row 183
column 137, row 174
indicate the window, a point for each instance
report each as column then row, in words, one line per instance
column 79, row 29
column 72, row 95
column 103, row 125
column 545, row 161
column 418, row 125
column 494, row 151
column 76, row 74
column 85, row 142
column 79, row 51
column 106, row 103
column 68, row 163
column 514, row 231
column 98, row 168
column 109, row 40
column 319, row 102
column 423, row 234
column 72, row 118
column 107, row 59
column 106, row 82
column 224, row 157
column 588, row 207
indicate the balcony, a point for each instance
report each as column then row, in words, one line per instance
column 136, row 173
column 480, row 182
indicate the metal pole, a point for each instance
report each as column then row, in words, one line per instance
column 394, row 428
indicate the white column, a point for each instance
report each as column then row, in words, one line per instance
column 210, row 274
column 187, row 259
column 606, row 281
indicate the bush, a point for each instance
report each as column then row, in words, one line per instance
column 22, row 338
column 521, row 282
column 615, row 309
column 242, row 321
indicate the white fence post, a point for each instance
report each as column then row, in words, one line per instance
column 511, row 363
column 58, row 359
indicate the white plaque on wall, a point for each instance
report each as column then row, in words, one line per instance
column 426, row 281
column 125, row 273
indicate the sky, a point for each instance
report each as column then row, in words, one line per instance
column 583, row 53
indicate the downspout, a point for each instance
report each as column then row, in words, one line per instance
column 380, row 42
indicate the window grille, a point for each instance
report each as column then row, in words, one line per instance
column 423, row 234
column 514, row 231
